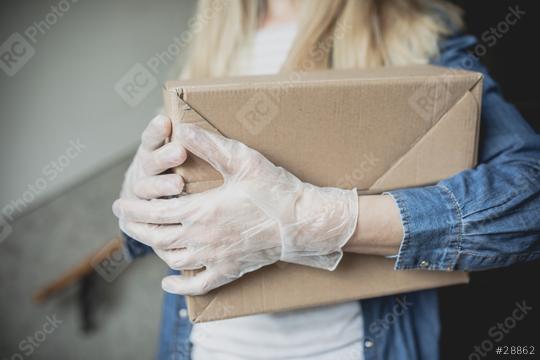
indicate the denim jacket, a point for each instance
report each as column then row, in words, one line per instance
column 482, row 218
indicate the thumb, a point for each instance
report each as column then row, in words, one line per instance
column 220, row 152
column 198, row 284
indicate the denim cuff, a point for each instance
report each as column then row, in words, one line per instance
column 432, row 228
column 135, row 249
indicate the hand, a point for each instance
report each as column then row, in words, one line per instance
column 153, row 157
column 261, row 214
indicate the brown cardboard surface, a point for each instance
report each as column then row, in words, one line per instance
column 376, row 130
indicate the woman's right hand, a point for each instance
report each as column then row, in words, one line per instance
column 144, row 178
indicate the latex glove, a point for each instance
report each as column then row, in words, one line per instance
column 261, row 214
column 153, row 157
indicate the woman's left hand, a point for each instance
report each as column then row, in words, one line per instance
column 260, row 215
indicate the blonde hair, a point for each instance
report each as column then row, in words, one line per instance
column 332, row 34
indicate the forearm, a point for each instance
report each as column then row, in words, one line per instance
column 379, row 230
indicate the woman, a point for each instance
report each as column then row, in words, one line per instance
column 479, row 219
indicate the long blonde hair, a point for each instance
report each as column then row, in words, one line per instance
column 332, row 34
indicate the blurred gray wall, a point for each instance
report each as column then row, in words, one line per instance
column 79, row 80
column 61, row 117
column 125, row 300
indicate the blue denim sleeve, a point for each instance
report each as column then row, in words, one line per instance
column 486, row 217
column 135, row 248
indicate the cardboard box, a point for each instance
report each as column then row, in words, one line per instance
column 376, row 130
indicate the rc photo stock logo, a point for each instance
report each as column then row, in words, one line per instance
column 110, row 266
column 5, row 228
column 426, row 101
column 50, row 172
column 136, row 84
column 139, row 81
column 15, row 52
column 17, row 49
column 257, row 113
column 32, row 342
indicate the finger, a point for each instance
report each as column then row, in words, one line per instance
column 218, row 151
column 180, row 259
column 155, row 134
column 155, row 236
column 199, row 284
column 153, row 187
column 168, row 156
column 156, row 211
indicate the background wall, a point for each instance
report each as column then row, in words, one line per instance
column 65, row 92
column 67, row 132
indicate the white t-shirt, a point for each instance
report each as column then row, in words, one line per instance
column 321, row 333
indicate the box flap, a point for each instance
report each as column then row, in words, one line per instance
column 420, row 165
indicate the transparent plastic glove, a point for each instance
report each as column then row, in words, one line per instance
column 153, row 157
column 261, row 214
